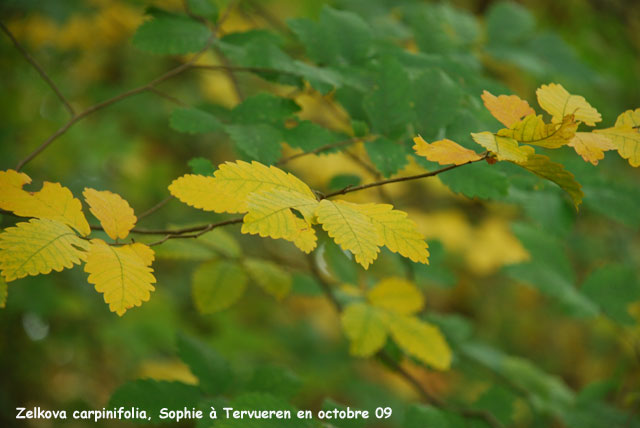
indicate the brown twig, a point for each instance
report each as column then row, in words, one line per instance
column 168, row 97
column 350, row 189
column 39, row 69
column 156, row 207
column 207, row 228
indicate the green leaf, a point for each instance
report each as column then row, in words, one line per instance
column 388, row 104
column 478, row 180
column 339, row 38
column 341, row 181
column 271, row 277
column 549, row 271
column 436, row 271
column 193, row 121
column 274, row 380
column 499, row 402
column 443, row 29
column 328, row 405
column 339, row 264
column 218, row 285
column 305, row 285
column 212, row 371
column 3, row 293
column 260, row 142
column 436, row 100
column 205, row 8
column 388, row 156
column 171, row 34
column 151, row 395
column 201, row 166
column 263, row 108
column 261, row 401
column 613, row 288
column 617, row 201
column 309, row 136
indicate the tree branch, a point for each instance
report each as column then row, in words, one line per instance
column 156, row 207
column 350, row 189
column 38, row 68
column 319, row 150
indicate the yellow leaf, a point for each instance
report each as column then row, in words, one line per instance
column 39, row 246
column 3, row 293
column 444, row 152
column 508, row 109
column 366, row 328
column 269, row 214
column 113, row 212
column 305, row 238
column 533, row 130
column 396, row 231
column 120, row 274
column 232, row 183
column 625, row 136
column 53, row 201
column 396, row 295
column 350, row 228
column 591, row 146
column 543, row 166
column 271, row 277
column 217, row 285
column 505, row 149
column 556, row 101
column 421, row 340
column 144, row 252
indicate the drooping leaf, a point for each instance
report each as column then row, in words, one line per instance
column 505, row 149
column 591, row 146
column 120, row 274
column 533, row 130
column 625, row 136
column 38, row 247
column 271, row 277
column 270, row 215
column 396, row 295
column 217, row 285
column 421, row 340
column 396, row 231
column 114, row 213
column 445, row 152
column 193, row 121
column 171, row 34
column 53, row 201
column 543, row 167
column 366, row 328
column 350, row 228
column 232, row 183
column 556, row 101
column 508, row 109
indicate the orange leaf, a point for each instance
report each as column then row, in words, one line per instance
column 445, row 152
column 508, row 109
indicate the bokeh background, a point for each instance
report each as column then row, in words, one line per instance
column 60, row 347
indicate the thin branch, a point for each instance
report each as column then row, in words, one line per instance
column 39, row 69
column 206, row 229
column 241, row 69
column 96, row 107
column 350, row 189
column 156, row 207
column 168, row 97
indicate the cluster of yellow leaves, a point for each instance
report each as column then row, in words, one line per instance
column 524, row 129
column 390, row 308
column 280, row 206
column 49, row 242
